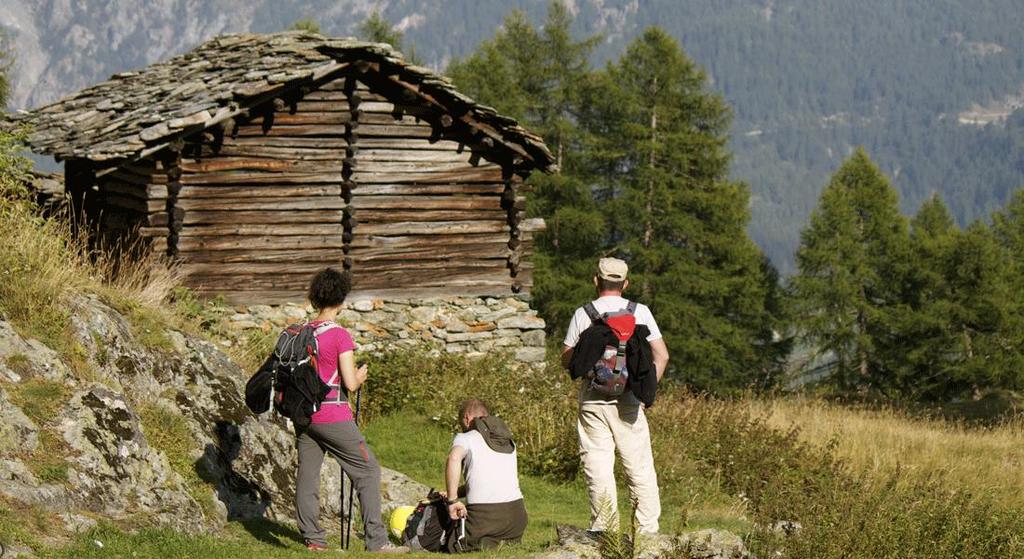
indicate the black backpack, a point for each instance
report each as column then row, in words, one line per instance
column 289, row 379
column 429, row 526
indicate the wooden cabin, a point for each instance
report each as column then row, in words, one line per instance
column 254, row 160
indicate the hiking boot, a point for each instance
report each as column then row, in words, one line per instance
column 313, row 546
column 392, row 549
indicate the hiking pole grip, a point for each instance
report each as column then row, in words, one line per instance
column 351, row 486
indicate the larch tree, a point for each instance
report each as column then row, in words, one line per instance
column 660, row 143
column 852, row 261
column 376, row 28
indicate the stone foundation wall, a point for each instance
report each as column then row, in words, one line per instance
column 472, row 326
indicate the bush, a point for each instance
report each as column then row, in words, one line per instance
column 539, row 405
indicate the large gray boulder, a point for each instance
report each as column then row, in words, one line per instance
column 156, row 435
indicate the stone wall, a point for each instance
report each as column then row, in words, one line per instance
column 457, row 325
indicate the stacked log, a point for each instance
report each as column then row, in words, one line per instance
column 429, row 213
column 261, row 202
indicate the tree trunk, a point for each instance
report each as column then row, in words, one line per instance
column 649, row 202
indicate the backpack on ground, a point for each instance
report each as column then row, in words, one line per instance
column 289, row 379
column 429, row 526
column 608, row 374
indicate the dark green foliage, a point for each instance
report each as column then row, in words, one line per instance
column 378, row 29
column 659, row 197
column 852, row 259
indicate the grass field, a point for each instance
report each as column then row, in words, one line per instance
column 972, row 456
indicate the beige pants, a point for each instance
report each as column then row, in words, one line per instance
column 603, row 428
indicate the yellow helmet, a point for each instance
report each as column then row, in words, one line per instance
column 399, row 517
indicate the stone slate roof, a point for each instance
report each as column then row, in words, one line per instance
column 135, row 114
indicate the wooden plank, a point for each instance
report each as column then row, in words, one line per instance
column 430, row 228
column 497, row 266
column 147, row 192
column 199, row 217
column 366, row 155
column 264, row 191
column 260, row 243
column 123, row 175
column 269, row 203
column 469, row 174
column 450, row 167
column 364, row 239
column 258, row 230
column 284, row 117
column 493, row 189
column 391, row 131
column 403, row 216
column 257, row 268
column 426, row 202
column 328, row 155
column 406, row 143
column 224, row 163
column 310, row 106
column 325, row 95
column 497, row 249
column 246, row 255
column 288, row 142
column 294, row 130
column 253, row 177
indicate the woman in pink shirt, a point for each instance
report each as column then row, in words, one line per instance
column 333, row 429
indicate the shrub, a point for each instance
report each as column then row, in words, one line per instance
column 538, row 404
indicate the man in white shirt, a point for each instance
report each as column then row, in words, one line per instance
column 607, row 423
column 486, row 455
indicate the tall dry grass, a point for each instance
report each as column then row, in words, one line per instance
column 984, row 459
column 43, row 264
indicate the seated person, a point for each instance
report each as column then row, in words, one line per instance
column 486, row 454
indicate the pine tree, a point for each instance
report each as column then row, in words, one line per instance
column 852, row 260
column 376, row 28
column 660, row 143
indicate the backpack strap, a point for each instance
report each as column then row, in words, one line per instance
column 335, row 381
column 631, row 307
column 591, row 311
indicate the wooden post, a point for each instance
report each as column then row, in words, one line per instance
column 508, row 202
column 348, row 222
column 171, row 161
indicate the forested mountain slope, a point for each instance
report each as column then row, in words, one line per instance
column 928, row 87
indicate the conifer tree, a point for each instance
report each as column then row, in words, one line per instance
column 376, row 28
column 852, row 261
column 660, row 142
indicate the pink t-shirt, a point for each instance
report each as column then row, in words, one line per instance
column 331, row 344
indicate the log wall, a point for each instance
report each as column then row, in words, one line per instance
column 430, row 214
column 338, row 175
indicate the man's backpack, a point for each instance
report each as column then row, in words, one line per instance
column 289, row 379
column 429, row 526
column 609, row 375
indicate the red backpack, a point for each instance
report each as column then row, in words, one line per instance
column 609, row 375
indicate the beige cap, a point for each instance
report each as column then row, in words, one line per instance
column 612, row 269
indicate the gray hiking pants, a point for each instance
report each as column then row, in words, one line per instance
column 346, row 444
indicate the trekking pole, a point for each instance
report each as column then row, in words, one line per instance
column 351, row 486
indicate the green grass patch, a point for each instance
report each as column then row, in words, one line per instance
column 167, row 431
column 25, row 524
column 39, row 399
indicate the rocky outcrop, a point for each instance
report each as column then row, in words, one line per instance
column 576, row 543
column 156, row 435
column 471, row 326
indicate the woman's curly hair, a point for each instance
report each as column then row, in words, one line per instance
column 329, row 288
